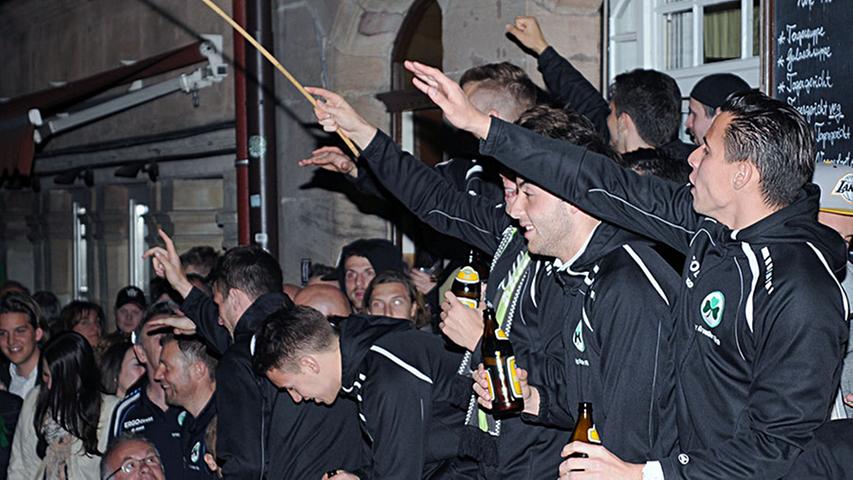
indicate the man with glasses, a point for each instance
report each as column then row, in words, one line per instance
column 132, row 457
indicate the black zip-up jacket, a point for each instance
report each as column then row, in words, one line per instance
column 404, row 382
column 261, row 432
column 761, row 318
column 137, row 414
column 524, row 451
column 193, row 447
column 566, row 84
column 619, row 295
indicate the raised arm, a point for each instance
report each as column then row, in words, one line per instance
column 564, row 81
column 419, row 187
column 648, row 205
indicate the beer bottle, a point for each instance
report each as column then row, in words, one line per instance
column 499, row 360
column 585, row 428
column 466, row 285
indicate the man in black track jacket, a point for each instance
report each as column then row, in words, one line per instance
column 403, row 380
column 261, row 432
column 650, row 98
column 550, row 298
column 761, row 322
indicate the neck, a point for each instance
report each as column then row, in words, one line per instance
column 635, row 142
column 747, row 213
column 201, row 398
column 155, row 392
column 581, row 233
column 26, row 368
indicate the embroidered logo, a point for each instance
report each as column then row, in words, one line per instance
column 712, row 307
column 181, row 417
column 195, row 452
column 577, row 338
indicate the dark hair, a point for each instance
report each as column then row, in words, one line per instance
column 117, row 443
column 390, row 276
column 110, row 365
column 194, row 351
column 203, row 257
column 159, row 286
column 72, row 313
column 21, row 303
column 73, row 400
column 564, row 124
column 287, row 332
column 250, row 269
column 50, row 306
column 321, row 270
column 776, row 139
column 13, row 286
column 655, row 161
column 653, row 100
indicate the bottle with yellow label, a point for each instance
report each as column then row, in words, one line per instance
column 585, row 428
column 466, row 286
column 499, row 360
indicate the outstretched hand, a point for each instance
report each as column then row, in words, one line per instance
column 450, row 98
column 526, row 30
column 332, row 159
column 167, row 264
column 179, row 325
column 333, row 113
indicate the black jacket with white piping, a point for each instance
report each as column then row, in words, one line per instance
column 403, row 381
column 761, row 318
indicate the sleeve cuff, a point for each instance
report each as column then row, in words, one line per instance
column 490, row 143
column 653, row 471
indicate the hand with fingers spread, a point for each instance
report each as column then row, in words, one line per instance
column 529, row 393
column 462, row 325
column 448, row 95
column 167, row 264
column 333, row 113
column 526, row 30
column 179, row 325
column 332, row 159
column 599, row 464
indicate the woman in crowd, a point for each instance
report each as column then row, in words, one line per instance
column 62, row 429
column 120, row 369
column 85, row 318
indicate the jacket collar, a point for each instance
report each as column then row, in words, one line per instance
column 258, row 312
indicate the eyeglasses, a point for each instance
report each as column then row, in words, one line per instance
column 133, row 464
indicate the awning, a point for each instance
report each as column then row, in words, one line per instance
column 17, row 146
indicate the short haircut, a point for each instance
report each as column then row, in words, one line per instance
column 321, row 270
column 117, row 443
column 72, row 313
column 203, row 257
column 655, row 161
column 653, row 100
column 776, row 139
column 250, row 269
column 13, row 286
column 505, row 77
column 159, row 286
column 159, row 309
column 194, row 351
column 21, row 303
column 287, row 333
column 564, row 124
column 50, row 305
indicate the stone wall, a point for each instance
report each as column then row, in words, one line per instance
column 346, row 45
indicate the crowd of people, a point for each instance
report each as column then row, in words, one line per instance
column 688, row 292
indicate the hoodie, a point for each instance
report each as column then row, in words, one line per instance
column 405, row 383
column 761, row 317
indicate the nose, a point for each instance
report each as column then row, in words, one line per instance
column 694, row 158
column 514, row 209
column 361, row 280
column 158, row 373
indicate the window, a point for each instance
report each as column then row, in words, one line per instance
column 80, row 265
column 138, row 232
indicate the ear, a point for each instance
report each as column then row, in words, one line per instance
column 625, row 123
column 309, row 363
column 39, row 334
column 140, row 354
column 210, row 462
column 494, row 113
column 717, row 111
column 743, row 174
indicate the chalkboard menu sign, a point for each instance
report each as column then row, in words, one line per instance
column 812, row 69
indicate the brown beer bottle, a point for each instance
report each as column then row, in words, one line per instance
column 585, row 428
column 499, row 360
column 466, row 286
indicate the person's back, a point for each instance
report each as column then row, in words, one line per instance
column 10, row 408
